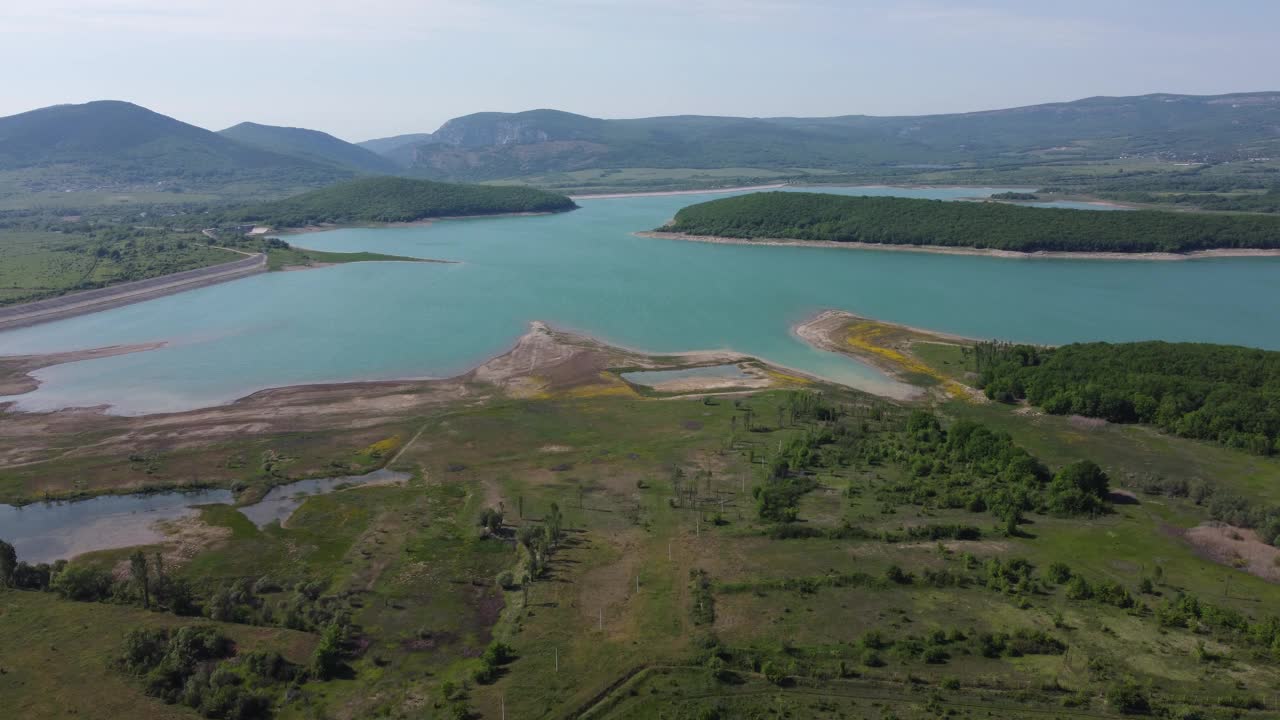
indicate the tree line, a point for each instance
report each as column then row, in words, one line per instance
column 1221, row 393
column 393, row 199
column 1000, row 226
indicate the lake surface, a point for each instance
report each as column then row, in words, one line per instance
column 586, row 271
column 1076, row 205
column 44, row 532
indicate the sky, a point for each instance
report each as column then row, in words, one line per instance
column 371, row 68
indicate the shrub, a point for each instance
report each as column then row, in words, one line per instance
column 1129, row 698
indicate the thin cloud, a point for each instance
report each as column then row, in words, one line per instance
column 228, row 18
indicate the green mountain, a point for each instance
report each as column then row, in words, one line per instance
column 111, row 144
column 395, row 199
column 310, row 145
column 388, row 146
column 498, row 145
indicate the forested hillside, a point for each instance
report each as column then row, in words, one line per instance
column 495, row 145
column 111, row 144
column 390, row 199
column 902, row 221
column 311, row 145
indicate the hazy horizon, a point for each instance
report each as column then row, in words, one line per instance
column 392, row 67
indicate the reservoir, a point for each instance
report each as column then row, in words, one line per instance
column 586, row 271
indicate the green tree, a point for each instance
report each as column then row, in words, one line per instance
column 141, row 577
column 327, row 658
column 8, row 564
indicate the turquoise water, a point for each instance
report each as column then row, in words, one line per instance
column 715, row 372
column 1075, row 205
column 585, row 271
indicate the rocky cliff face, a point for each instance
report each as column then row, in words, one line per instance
column 501, row 132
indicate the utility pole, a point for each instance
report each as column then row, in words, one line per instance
column 557, row 651
column 601, row 611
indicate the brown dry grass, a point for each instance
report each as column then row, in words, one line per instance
column 1236, row 547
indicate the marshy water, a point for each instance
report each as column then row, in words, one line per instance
column 44, row 532
column 650, row 378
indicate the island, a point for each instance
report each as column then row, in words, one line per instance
column 987, row 228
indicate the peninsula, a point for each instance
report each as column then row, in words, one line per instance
column 987, row 227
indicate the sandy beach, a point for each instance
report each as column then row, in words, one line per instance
column 987, row 252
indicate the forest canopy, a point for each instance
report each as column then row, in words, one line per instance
column 903, row 221
column 1221, row 393
column 392, row 199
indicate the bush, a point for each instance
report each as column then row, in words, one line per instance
column 1129, row 698
column 82, row 583
column 1058, row 573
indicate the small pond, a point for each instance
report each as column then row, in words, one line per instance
column 44, row 532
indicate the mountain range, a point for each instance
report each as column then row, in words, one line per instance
column 114, row 145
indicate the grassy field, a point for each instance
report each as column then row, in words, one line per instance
column 36, row 265
column 658, row 603
column 57, row 657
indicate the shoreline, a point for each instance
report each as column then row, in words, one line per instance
column 405, row 224
column 948, row 250
column 665, row 193
column 113, row 296
column 808, row 329
column 15, row 370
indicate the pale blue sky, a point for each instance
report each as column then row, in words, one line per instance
column 369, row 68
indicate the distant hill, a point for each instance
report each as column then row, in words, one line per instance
column 389, row 146
column 310, row 145
column 115, row 144
column 393, row 199
column 499, row 145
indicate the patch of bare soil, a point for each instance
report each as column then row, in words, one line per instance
column 186, row 538
column 1081, row 422
column 1236, row 547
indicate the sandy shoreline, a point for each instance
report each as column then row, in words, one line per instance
column 15, row 370
column 812, row 330
column 944, row 250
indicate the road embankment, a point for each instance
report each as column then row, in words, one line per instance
column 90, row 301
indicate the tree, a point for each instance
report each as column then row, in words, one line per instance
column 491, row 520
column 327, row 658
column 8, row 563
column 1079, row 488
column 553, row 524
column 138, row 571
